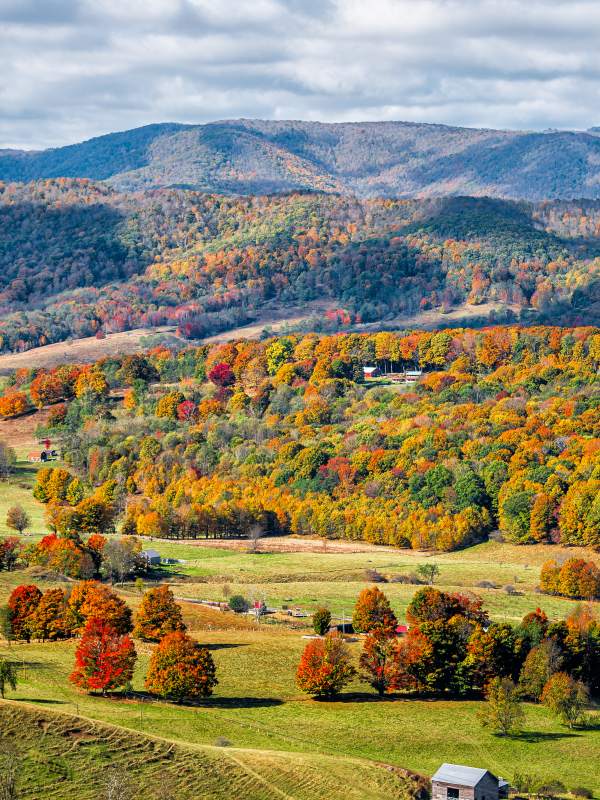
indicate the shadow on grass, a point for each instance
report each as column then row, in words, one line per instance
column 539, row 736
column 241, row 702
column 42, row 701
column 209, row 702
column 362, row 697
column 224, row 645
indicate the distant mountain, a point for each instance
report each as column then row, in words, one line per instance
column 369, row 159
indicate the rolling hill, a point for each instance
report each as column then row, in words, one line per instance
column 78, row 257
column 368, row 159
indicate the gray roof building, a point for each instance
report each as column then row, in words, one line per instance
column 457, row 782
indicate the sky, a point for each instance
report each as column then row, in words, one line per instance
column 73, row 69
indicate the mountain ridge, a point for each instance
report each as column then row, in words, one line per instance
column 366, row 159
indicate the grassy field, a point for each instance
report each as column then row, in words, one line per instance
column 257, row 707
column 335, row 577
column 283, row 744
column 69, row 758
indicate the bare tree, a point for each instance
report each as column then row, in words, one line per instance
column 255, row 534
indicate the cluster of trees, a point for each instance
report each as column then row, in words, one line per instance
column 501, row 432
column 452, row 648
column 206, row 262
column 575, row 578
column 105, row 656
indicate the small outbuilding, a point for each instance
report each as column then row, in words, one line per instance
column 151, row 557
column 456, row 782
column 370, row 372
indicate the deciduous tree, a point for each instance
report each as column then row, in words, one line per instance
column 180, row 669
column 158, row 614
column 325, row 667
column 502, row 711
column 373, row 610
column 104, row 659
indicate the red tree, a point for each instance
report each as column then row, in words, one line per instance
column 380, row 662
column 187, row 411
column 22, row 602
column 104, row 659
column 221, row 375
column 158, row 615
column 181, row 668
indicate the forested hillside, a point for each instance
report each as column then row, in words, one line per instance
column 503, row 431
column 78, row 257
column 370, row 159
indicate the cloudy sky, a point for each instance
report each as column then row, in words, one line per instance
column 72, row 69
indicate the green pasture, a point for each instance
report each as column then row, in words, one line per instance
column 256, row 705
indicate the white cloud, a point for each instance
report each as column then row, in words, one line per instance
column 71, row 69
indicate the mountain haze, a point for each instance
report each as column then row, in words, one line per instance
column 370, row 159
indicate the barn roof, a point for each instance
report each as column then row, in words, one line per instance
column 456, row 773
column 150, row 553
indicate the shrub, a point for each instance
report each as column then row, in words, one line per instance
column 238, row 603
column 581, row 791
column 374, row 576
column 412, row 578
column 321, row 621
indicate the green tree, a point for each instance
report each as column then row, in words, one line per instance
column 541, row 663
column 321, row 621
column 429, row 572
column 8, row 676
column 502, row 711
column 566, row 698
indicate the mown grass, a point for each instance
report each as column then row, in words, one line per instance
column 310, row 579
column 16, row 491
column 257, row 706
column 69, row 758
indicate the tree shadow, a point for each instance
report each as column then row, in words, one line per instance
column 531, row 737
column 240, row 702
column 42, row 701
column 209, row 702
column 360, row 697
column 224, row 645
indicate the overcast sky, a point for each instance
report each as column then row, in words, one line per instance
column 72, row 69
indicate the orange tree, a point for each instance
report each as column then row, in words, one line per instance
column 13, row 404
column 157, row 615
column 104, row 659
column 22, row 603
column 49, row 620
column 325, row 667
column 373, row 610
column 380, row 662
column 180, row 668
column 89, row 599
